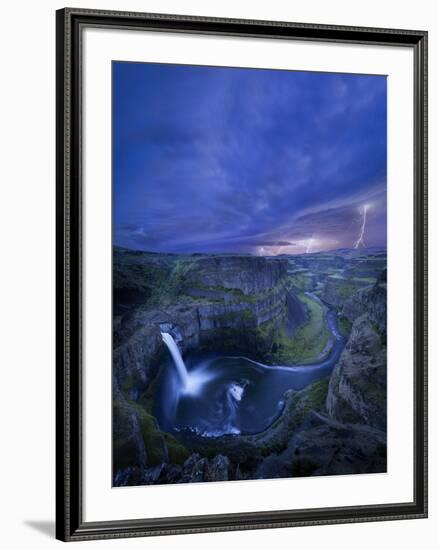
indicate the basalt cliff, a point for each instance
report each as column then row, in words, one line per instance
column 204, row 302
column 257, row 307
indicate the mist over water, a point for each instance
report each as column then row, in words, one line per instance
column 176, row 356
column 216, row 394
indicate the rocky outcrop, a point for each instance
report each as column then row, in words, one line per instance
column 128, row 444
column 132, row 361
column 372, row 301
column 227, row 294
column 249, row 274
column 195, row 469
column 137, row 439
column 337, row 289
column 348, row 433
column 322, row 446
column 370, row 267
column 297, row 314
column 212, row 302
column 357, row 388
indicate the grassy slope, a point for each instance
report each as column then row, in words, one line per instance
column 297, row 406
column 307, row 342
column 154, row 439
column 301, row 279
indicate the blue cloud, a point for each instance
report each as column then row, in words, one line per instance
column 216, row 159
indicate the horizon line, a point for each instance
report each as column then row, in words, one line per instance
column 195, row 253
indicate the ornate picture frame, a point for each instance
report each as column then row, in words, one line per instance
column 71, row 524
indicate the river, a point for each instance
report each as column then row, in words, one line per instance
column 225, row 395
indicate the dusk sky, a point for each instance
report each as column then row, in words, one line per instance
column 210, row 159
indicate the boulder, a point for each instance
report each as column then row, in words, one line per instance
column 197, row 468
column 218, row 469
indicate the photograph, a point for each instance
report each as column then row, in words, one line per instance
column 216, row 264
column 249, row 273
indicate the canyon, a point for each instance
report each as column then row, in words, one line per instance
column 276, row 312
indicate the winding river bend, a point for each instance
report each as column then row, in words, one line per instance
column 214, row 395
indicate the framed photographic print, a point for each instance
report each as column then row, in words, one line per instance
column 241, row 274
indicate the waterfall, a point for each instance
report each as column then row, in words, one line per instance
column 176, row 356
column 233, row 397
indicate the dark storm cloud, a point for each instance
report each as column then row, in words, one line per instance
column 237, row 160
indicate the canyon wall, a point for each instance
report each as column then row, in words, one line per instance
column 204, row 302
column 217, row 302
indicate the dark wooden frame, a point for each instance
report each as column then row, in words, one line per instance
column 69, row 522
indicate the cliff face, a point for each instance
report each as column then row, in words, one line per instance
column 323, row 446
column 212, row 302
column 357, row 388
column 206, row 300
column 133, row 360
column 373, row 302
column 248, row 274
column 339, row 428
column 336, row 290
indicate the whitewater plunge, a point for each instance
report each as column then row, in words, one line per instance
column 192, row 381
column 216, row 394
column 176, row 356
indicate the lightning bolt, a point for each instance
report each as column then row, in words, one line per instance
column 363, row 227
column 309, row 246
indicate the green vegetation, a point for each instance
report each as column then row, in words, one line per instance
column 231, row 294
column 368, row 280
column 172, row 284
column 346, row 290
column 177, row 453
column 136, row 282
column 317, row 393
column 298, row 405
column 343, row 287
column 301, row 279
column 160, row 280
column 345, row 326
column 146, row 400
column 308, row 341
column 157, row 443
column 365, row 280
